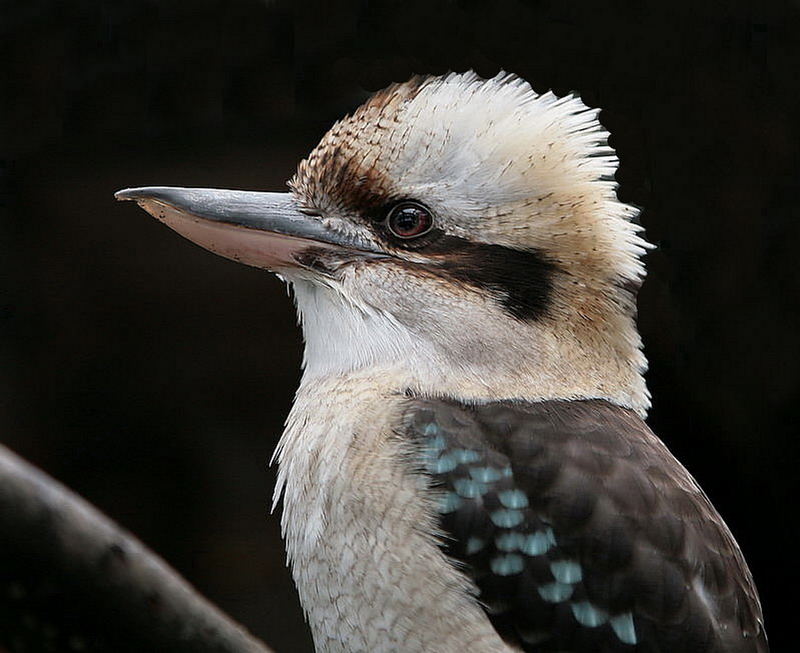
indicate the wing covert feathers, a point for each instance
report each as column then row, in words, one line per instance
column 581, row 531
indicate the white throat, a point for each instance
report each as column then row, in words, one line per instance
column 343, row 336
column 461, row 350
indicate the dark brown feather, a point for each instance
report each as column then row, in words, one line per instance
column 582, row 532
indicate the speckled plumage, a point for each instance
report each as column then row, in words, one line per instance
column 466, row 460
column 367, row 522
column 581, row 531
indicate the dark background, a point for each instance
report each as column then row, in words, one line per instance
column 153, row 377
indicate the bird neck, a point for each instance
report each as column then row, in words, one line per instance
column 471, row 353
column 360, row 528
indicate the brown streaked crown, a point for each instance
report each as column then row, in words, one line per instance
column 343, row 173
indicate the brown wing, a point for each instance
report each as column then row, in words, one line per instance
column 582, row 532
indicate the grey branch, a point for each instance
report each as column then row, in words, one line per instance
column 72, row 579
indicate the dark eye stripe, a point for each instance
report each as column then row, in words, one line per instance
column 522, row 279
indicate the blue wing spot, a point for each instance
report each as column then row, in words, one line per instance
column 588, row 615
column 513, row 499
column 484, row 474
column 437, row 444
column 624, row 628
column 506, row 518
column 566, row 571
column 431, row 429
column 507, row 471
column 539, row 542
column 507, row 565
column 442, row 465
column 474, row 544
column 430, row 455
column 449, row 503
column 466, row 456
column 509, row 541
column 555, row 592
column 469, row 489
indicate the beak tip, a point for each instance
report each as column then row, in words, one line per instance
column 127, row 194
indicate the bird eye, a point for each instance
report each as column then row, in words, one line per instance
column 409, row 220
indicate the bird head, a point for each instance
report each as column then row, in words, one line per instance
column 460, row 235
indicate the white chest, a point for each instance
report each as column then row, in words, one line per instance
column 358, row 526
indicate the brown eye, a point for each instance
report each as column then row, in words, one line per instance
column 409, row 220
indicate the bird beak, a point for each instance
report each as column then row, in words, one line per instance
column 265, row 230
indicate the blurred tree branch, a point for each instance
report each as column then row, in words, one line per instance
column 71, row 579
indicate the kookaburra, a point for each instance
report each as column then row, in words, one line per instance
column 466, row 466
